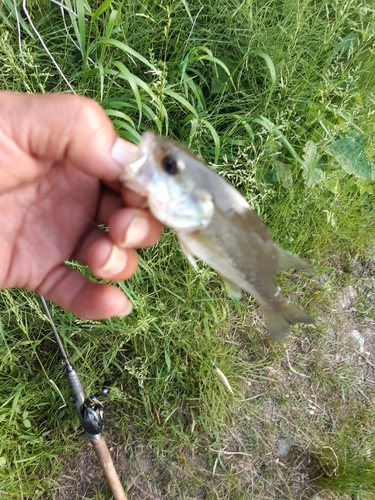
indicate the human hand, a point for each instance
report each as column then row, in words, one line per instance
column 58, row 181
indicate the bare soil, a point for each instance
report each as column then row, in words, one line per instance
column 286, row 461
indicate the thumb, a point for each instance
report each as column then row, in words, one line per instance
column 55, row 127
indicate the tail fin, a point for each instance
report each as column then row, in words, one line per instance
column 279, row 321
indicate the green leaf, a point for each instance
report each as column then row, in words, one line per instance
column 27, row 423
column 110, row 24
column 346, row 45
column 119, row 114
column 3, row 461
column 167, row 355
column 312, row 171
column 196, row 55
column 284, row 174
column 349, row 152
column 365, row 187
column 77, row 27
column 334, row 182
column 130, row 134
column 185, row 4
column 16, row 396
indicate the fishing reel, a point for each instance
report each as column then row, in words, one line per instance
column 92, row 415
column 90, row 410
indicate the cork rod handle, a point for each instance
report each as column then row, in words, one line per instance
column 110, row 473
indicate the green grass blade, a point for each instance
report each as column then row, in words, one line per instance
column 162, row 116
column 215, row 137
column 179, row 98
column 240, row 120
column 73, row 20
column 130, row 133
column 111, row 23
column 102, row 8
column 132, row 80
column 17, row 394
column 197, row 91
column 5, row 19
column 185, row 4
column 11, row 7
column 123, row 47
column 217, row 61
column 81, row 27
column 101, row 77
column 195, row 56
column 272, row 70
column 119, row 114
column 277, row 133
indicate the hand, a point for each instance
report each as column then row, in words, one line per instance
column 58, row 181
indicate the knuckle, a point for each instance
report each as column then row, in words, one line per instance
column 89, row 114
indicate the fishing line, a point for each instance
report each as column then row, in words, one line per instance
column 55, row 332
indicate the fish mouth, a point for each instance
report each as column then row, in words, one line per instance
column 136, row 169
column 132, row 170
column 136, row 166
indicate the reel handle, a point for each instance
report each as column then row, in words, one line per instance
column 110, row 473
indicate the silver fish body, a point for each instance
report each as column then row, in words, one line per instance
column 214, row 223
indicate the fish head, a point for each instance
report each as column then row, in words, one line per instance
column 162, row 172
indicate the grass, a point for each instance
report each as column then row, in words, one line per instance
column 275, row 96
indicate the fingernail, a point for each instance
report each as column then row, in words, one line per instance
column 136, row 232
column 123, row 151
column 128, row 309
column 116, row 262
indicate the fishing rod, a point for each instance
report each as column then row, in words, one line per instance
column 91, row 414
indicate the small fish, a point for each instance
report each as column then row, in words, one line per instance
column 222, row 377
column 214, row 223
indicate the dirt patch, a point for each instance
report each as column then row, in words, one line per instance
column 264, row 454
column 84, row 478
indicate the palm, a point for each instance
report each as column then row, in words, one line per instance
column 43, row 222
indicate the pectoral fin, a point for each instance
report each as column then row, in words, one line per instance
column 232, row 287
column 186, row 252
column 287, row 260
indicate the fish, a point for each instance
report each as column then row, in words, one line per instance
column 214, row 223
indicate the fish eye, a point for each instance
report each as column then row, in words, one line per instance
column 170, row 165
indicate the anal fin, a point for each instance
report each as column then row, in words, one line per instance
column 287, row 260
